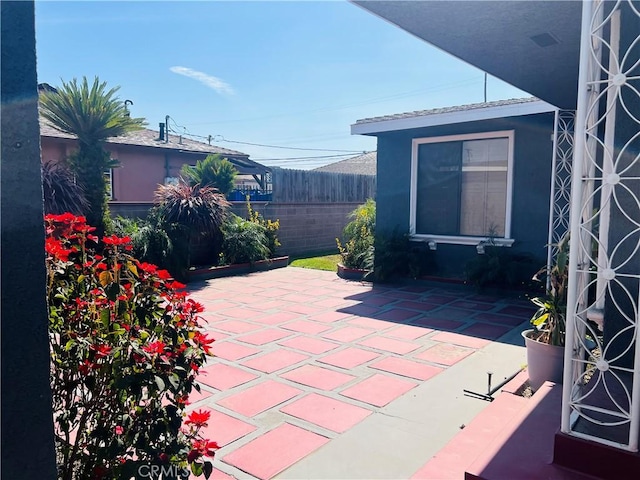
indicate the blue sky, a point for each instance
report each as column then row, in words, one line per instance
column 294, row 74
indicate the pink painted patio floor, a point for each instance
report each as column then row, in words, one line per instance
column 302, row 356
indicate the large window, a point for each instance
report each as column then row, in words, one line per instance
column 461, row 187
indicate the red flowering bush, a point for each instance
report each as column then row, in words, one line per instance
column 126, row 348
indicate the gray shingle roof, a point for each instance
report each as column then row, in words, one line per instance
column 151, row 139
column 147, row 138
column 364, row 164
column 457, row 108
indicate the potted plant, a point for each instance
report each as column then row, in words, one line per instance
column 545, row 342
column 357, row 251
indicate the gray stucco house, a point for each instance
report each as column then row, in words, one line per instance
column 456, row 178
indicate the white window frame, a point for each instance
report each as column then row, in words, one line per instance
column 461, row 239
column 109, row 173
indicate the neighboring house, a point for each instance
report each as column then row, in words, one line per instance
column 364, row 164
column 149, row 158
column 582, row 57
column 453, row 177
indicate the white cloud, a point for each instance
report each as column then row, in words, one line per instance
column 209, row 80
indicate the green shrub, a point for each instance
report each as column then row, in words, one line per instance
column 271, row 228
column 396, row 256
column 358, row 235
column 244, row 241
column 498, row 267
column 214, row 171
column 151, row 242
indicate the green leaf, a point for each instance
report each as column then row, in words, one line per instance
column 159, row 383
column 196, row 468
column 537, row 321
column 174, row 380
column 105, row 316
column 207, row 468
column 69, row 345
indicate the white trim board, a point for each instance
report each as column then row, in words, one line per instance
column 448, row 118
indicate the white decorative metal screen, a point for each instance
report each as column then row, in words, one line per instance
column 601, row 391
column 559, row 219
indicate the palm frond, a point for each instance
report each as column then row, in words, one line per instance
column 92, row 113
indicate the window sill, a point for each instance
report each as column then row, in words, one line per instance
column 434, row 240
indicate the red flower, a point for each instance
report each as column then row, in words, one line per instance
column 119, row 430
column 203, row 341
column 200, row 448
column 102, row 350
column 163, row 274
column 86, row 366
column 176, row 285
column 198, row 418
column 155, row 347
column 115, row 240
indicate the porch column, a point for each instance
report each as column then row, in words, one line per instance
column 601, row 392
column 27, row 419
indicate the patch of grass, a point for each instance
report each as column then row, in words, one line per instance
column 325, row 262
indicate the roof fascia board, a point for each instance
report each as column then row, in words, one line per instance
column 448, row 118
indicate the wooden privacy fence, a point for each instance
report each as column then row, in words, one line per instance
column 303, row 186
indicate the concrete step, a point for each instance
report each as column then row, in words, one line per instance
column 452, row 461
column 510, row 439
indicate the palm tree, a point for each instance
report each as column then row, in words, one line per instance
column 93, row 114
column 213, row 171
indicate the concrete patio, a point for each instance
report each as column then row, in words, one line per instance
column 321, row 378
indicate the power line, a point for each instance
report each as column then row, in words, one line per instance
column 307, row 158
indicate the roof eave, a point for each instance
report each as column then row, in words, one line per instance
column 449, row 118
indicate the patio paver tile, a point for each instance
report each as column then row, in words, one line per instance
column 420, row 306
column 408, row 332
column 264, row 337
column 306, row 326
column 329, row 317
column 224, row 429
column 303, row 308
column 378, row 325
column 274, row 361
column 524, row 312
column 259, row 398
column 378, row 389
column 309, row 345
column 389, row 345
column 397, row 315
column 458, row 339
column 491, row 332
column 502, row 319
column 349, row 358
column 224, row 377
column 327, row 412
column 317, row 377
column 438, row 323
column 438, row 299
column 453, row 313
column 406, row 368
column 196, row 396
column 240, row 312
column 257, row 457
column 348, row 334
column 237, row 326
column 361, row 309
column 276, row 318
column 445, row 354
column 476, row 306
column 232, row 351
column 378, row 300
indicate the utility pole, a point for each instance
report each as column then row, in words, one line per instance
column 485, row 87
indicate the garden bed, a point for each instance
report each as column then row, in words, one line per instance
column 238, row 268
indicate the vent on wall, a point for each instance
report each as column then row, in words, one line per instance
column 545, row 40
